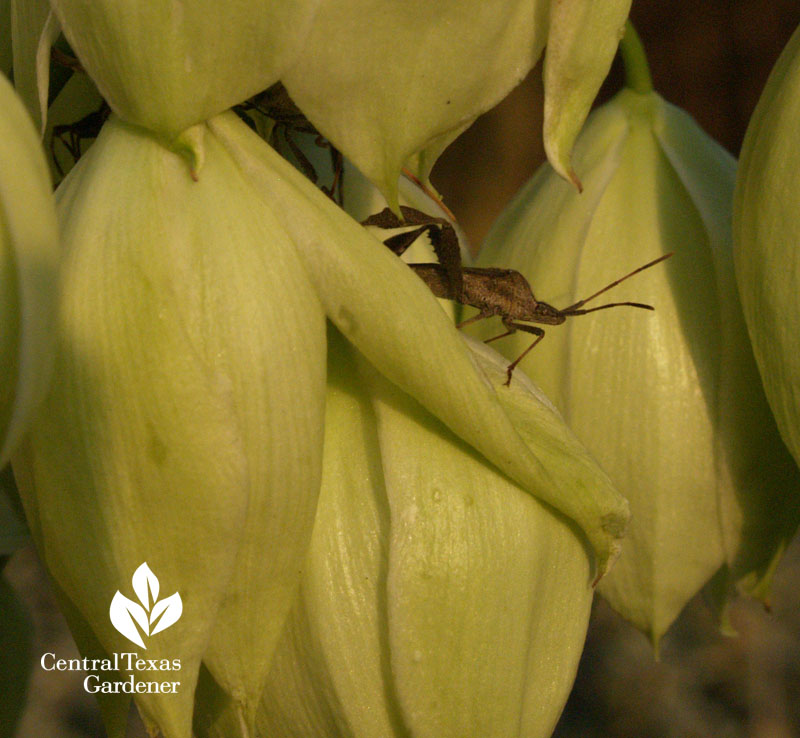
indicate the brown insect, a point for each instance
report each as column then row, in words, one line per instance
column 288, row 120
column 72, row 135
column 503, row 292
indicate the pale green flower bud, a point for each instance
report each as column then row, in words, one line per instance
column 766, row 236
column 184, row 426
column 28, row 271
column 418, row 73
column 669, row 402
column 439, row 599
column 167, row 66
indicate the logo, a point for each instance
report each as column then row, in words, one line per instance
column 148, row 616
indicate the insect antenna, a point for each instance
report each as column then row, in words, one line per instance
column 575, row 308
column 570, row 311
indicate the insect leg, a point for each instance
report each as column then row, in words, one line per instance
column 475, row 319
column 442, row 236
column 337, row 162
column 538, row 332
column 302, row 159
column 54, row 136
column 495, row 338
column 384, row 219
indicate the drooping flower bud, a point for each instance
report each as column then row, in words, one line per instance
column 439, row 599
column 28, row 271
column 416, row 74
column 184, row 427
column 766, row 235
column 167, row 66
column 669, row 402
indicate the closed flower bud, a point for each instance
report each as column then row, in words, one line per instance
column 181, row 439
column 167, row 66
column 439, row 599
column 417, row 73
column 28, row 271
column 669, row 402
column 766, row 237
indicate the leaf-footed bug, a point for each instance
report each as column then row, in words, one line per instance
column 493, row 291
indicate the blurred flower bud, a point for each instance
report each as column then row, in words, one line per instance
column 28, row 271
column 669, row 402
column 766, row 236
column 184, row 426
column 439, row 599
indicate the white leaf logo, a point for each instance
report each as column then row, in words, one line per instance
column 144, row 582
column 126, row 614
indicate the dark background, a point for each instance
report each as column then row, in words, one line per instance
column 712, row 58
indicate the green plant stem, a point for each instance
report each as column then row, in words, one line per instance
column 634, row 59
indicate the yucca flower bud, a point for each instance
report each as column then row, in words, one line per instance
column 179, row 448
column 416, row 74
column 766, row 237
column 669, row 402
column 28, row 271
column 167, row 66
column 431, row 578
column 189, row 398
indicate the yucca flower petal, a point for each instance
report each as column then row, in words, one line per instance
column 167, row 66
column 28, row 271
column 766, row 231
